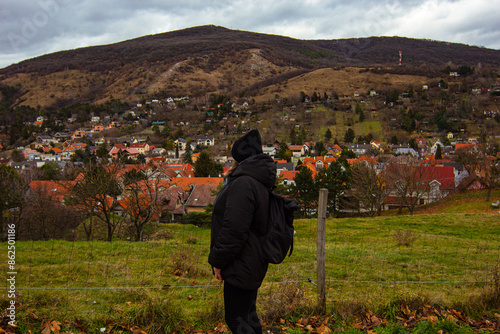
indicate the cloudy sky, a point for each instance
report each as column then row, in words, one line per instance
column 30, row 28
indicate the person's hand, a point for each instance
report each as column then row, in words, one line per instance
column 218, row 274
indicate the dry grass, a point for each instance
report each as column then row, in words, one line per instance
column 184, row 260
column 283, row 300
column 343, row 81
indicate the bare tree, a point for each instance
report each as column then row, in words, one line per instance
column 368, row 187
column 142, row 199
column 489, row 165
column 409, row 181
column 45, row 218
column 469, row 159
column 13, row 189
column 97, row 193
column 485, row 168
column 491, row 175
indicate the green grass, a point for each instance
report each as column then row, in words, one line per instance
column 166, row 285
column 360, row 129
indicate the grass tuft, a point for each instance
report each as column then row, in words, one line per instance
column 184, row 261
column 155, row 316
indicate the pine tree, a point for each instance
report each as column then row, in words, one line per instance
column 349, row 136
column 204, row 166
column 328, row 135
column 293, row 136
column 304, row 189
column 439, row 153
column 336, row 178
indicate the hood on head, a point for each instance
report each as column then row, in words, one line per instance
column 247, row 146
column 260, row 166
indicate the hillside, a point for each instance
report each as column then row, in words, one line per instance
column 210, row 59
column 416, row 52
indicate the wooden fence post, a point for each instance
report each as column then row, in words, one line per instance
column 320, row 249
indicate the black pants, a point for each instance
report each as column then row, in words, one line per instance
column 240, row 310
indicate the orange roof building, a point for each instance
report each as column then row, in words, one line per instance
column 187, row 182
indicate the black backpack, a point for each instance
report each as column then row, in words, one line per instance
column 279, row 237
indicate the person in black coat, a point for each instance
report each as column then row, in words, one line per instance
column 239, row 217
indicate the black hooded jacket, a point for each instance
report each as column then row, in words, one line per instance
column 239, row 218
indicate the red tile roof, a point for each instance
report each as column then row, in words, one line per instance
column 444, row 175
column 296, row 148
column 288, row 174
column 464, row 146
column 56, row 190
column 202, row 195
column 186, row 182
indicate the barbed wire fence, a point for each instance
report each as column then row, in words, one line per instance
column 358, row 263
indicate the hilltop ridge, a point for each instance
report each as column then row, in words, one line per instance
column 211, row 59
column 213, row 40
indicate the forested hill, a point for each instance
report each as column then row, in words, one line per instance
column 385, row 51
column 215, row 45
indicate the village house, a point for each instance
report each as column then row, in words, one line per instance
column 39, row 120
column 182, row 170
column 78, row 134
column 286, row 177
column 98, row 128
column 201, row 195
column 131, row 152
column 334, row 151
column 376, row 145
column 62, row 136
column 282, row 165
column 359, row 149
column 100, row 141
column 296, row 150
column 23, row 165
column 143, row 148
column 158, row 151
column 465, row 147
column 405, row 150
column 161, row 172
column 422, row 146
column 271, row 151
column 430, row 184
column 45, row 139
column 319, row 162
column 206, row 141
column 181, row 144
column 56, row 190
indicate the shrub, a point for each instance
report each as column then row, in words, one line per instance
column 405, row 237
column 192, row 240
column 184, row 261
column 283, row 300
column 163, row 235
column 197, row 218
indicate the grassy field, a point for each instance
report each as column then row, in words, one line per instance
column 450, row 261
